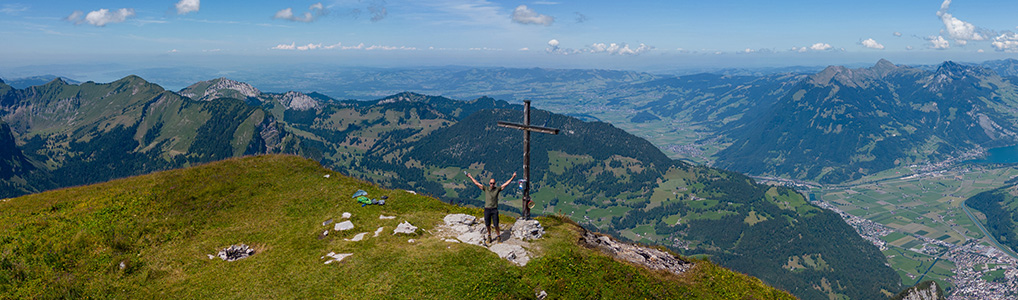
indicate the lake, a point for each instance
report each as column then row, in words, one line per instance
column 1002, row 155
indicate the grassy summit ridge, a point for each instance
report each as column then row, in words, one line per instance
column 148, row 236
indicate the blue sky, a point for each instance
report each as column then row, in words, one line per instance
column 643, row 35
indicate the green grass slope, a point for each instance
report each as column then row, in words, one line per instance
column 148, row 236
column 1000, row 206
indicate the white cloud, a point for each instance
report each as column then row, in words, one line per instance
column 187, row 6
column 820, row 47
column 100, row 17
column 872, row 44
column 897, row 34
column 524, row 49
column 618, row 49
column 173, row 51
column 339, row 46
column 980, row 51
column 938, row 42
column 1006, row 42
column 909, row 48
column 957, row 29
column 608, row 48
column 524, row 15
column 314, row 11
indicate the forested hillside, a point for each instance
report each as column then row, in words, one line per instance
column 842, row 124
column 91, row 132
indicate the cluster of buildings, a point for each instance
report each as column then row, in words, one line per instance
column 974, row 262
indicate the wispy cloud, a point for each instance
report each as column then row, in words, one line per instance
column 580, row 18
column 100, row 17
column 188, row 6
column 872, row 44
column 314, row 11
column 377, row 10
column 338, row 46
column 897, row 34
column 524, row 15
column 13, row 9
column 474, row 13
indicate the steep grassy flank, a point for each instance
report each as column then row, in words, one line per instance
column 999, row 205
column 148, row 236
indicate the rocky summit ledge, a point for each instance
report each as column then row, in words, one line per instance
column 514, row 244
column 648, row 257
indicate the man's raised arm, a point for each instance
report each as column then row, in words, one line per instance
column 478, row 184
column 509, row 181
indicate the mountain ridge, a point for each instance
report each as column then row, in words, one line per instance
column 146, row 236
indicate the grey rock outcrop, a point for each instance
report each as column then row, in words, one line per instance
column 926, row 290
column 405, row 228
column 513, row 247
column 527, row 230
column 466, row 228
column 236, row 252
column 648, row 257
column 345, row 225
column 513, row 253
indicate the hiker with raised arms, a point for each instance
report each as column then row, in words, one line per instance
column 491, row 192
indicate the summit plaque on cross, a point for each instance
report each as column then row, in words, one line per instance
column 527, row 128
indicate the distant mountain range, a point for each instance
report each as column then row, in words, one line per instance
column 842, row 124
column 25, row 82
column 593, row 172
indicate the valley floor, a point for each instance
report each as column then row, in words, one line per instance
column 919, row 221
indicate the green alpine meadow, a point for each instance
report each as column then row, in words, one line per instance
column 155, row 235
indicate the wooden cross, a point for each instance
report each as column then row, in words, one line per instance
column 526, row 151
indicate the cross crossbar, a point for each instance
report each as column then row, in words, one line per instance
column 528, row 128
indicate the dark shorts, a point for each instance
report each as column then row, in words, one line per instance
column 490, row 215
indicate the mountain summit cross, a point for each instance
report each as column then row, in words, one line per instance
column 526, row 151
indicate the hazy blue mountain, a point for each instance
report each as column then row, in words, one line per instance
column 841, row 124
column 20, row 83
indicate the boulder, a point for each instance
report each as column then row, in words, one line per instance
column 460, row 219
column 475, row 237
column 358, row 237
column 336, row 257
column 513, row 253
column 345, row 225
column 405, row 228
column 236, row 252
column 527, row 230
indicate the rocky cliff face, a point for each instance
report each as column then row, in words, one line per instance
column 219, row 88
column 298, row 101
column 926, row 290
